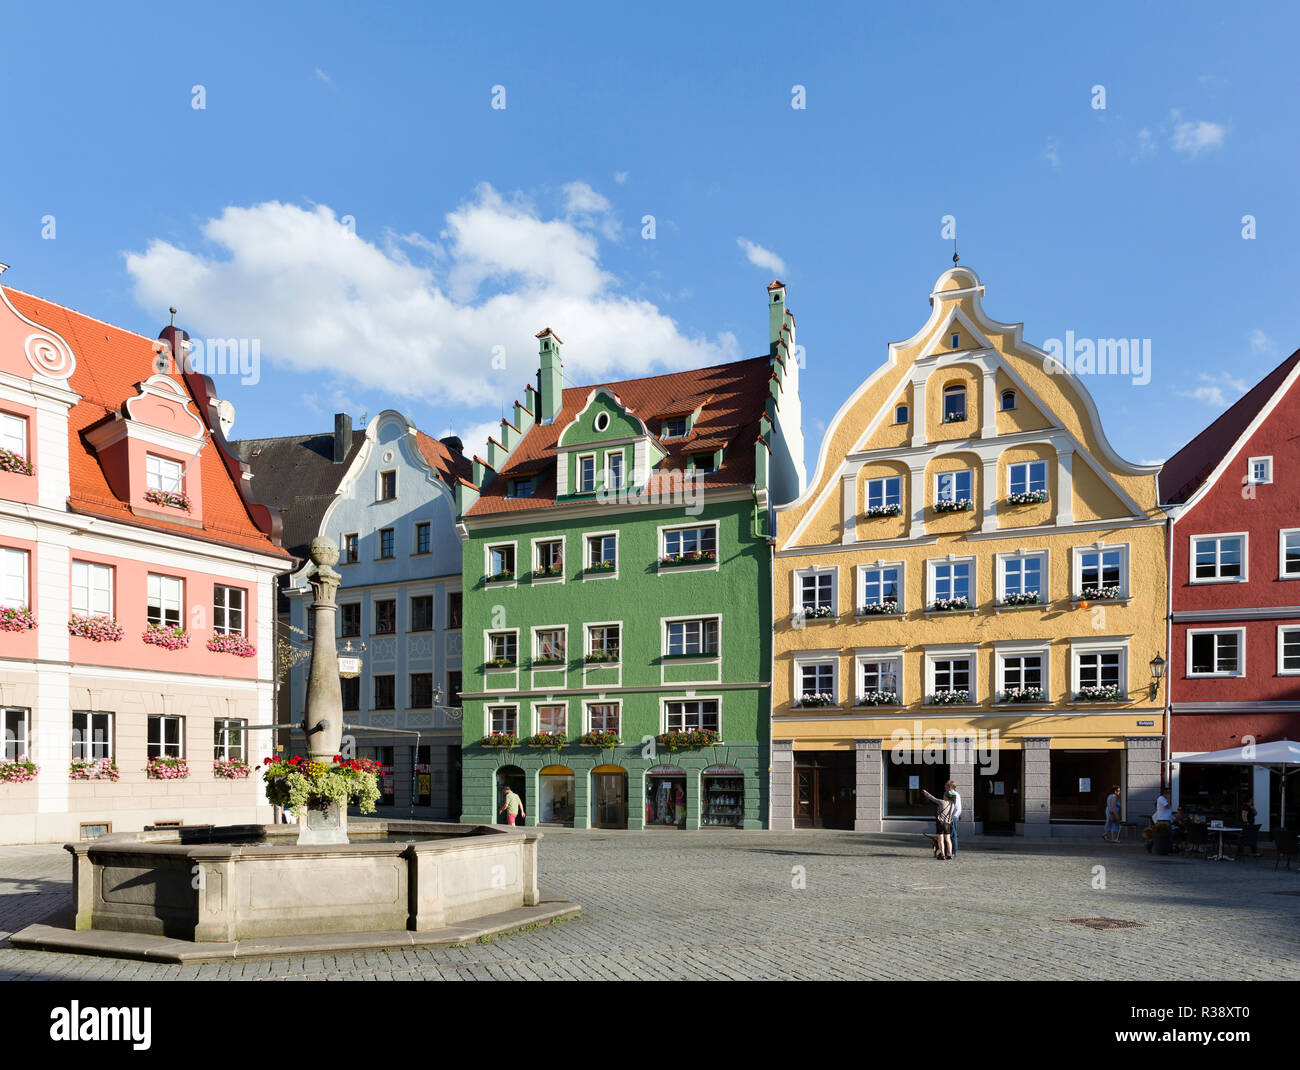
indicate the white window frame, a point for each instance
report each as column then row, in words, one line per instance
column 97, row 582
column 952, row 389
column 668, row 423
column 1282, row 573
column 535, row 551
column 934, row 654
column 587, row 536
column 811, row 659
column 668, row 622
column 163, row 719
column 536, row 718
column 931, row 579
column 165, row 583
column 10, row 717
column 1028, row 480
column 610, row 457
column 1250, row 471
column 969, row 473
column 1244, row 536
column 586, row 714
column 227, row 609
column 577, row 473
column 12, row 555
column 1100, row 645
column 1044, row 586
column 1282, row 629
column 860, row 582
column 816, row 571
column 884, row 482
column 489, row 709
column 1002, row 400
column 664, row 703
column 1004, row 650
column 13, row 438
column 1076, row 567
column 379, row 485
column 221, row 752
column 673, row 529
column 586, row 639
column 488, row 633
column 88, row 747
column 156, row 476
column 877, row 655
column 563, row 629
column 487, row 563
column 1240, row 633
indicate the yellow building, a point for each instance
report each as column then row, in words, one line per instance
column 973, row 586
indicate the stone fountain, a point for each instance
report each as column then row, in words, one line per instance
column 210, row 893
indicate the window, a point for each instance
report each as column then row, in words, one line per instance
column 385, row 616
column 953, row 486
column 674, row 428
column 501, row 563
column 350, row 618
column 503, row 720
column 548, row 644
column 92, row 736
column 523, row 488
column 602, row 641
column 586, row 473
column 422, row 613
column 385, row 692
column 13, row 733
column 601, row 422
column 227, row 610
column 603, row 717
column 1288, row 651
column 162, row 474
column 1021, row 673
column 1008, row 400
column 1027, row 478
column 614, row 471
column 703, row 463
column 950, row 580
column 884, row 492
column 387, row 486
column 92, row 589
column 1260, row 470
column 956, row 342
column 13, row 578
column 882, row 585
column 166, row 737
column 696, row 637
column 351, row 549
column 164, row 601
column 422, row 538
column 817, row 682
column 679, row 542
column 228, row 740
column 385, row 543
column 878, row 679
column 602, row 552
column 1289, row 554
column 453, row 609
column 503, row 647
column 421, row 690
column 954, row 404
column 1215, row 653
column 900, row 414
column 951, row 675
column 552, row 719
column 1102, row 571
column 453, row 688
column 351, row 688
column 1099, row 669
column 817, row 593
column 1218, row 558
column 692, row 716
column 13, row 434
column 1023, row 578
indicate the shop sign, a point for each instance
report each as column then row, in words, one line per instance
column 1146, row 724
column 665, row 770
column 722, row 770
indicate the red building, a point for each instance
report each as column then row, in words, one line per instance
column 1234, row 649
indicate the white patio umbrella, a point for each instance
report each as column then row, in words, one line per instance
column 1281, row 757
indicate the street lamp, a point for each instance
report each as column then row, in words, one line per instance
column 1157, row 674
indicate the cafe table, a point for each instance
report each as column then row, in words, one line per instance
column 1221, row 857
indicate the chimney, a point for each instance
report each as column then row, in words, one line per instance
column 342, row 436
column 453, row 443
column 775, row 310
column 549, row 377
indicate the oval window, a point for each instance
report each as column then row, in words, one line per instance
column 602, row 421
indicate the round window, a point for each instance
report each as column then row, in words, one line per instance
column 602, row 421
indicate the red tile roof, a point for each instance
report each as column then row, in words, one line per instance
column 734, row 397
column 1192, row 465
column 110, row 362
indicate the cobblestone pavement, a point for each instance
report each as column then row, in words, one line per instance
column 725, row 905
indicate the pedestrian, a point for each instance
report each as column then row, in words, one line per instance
column 1248, row 836
column 513, row 808
column 943, row 821
column 1112, row 816
column 1161, row 818
column 951, row 789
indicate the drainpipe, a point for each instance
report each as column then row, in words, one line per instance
column 1167, row 764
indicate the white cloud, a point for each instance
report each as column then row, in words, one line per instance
column 760, row 257
column 589, row 210
column 324, row 76
column 1146, row 144
column 1192, row 137
column 473, row 436
column 1261, row 344
column 1052, row 152
column 324, row 301
column 620, row 177
column 1212, row 389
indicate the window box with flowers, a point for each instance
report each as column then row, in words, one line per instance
column 602, row 657
column 544, row 572
column 878, row 698
column 599, row 568
column 875, row 512
column 811, row 699
column 1100, row 594
column 169, row 499
column 232, row 644
column 169, row 637
column 547, row 740
column 879, row 609
column 501, row 740
column 16, row 619
column 167, row 769
column 1023, row 694
column 504, row 576
column 500, row 663
column 1099, row 693
column 950, row 698
column 954, row 418
column 954, row 505
column 18, row 771
column 694, row 557
column 230, row 769
column 96, row 629
column 950, row 605
column 699, row 737
column 814, row 613
column 1020, row 599
column 300, row 784
column 93, row 769
column 1027, row 497
column 603, row 740
column 15, row 463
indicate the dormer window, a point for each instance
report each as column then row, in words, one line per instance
column 523, row 488
column 674, row 428
column 703, row 463
column 162, row 474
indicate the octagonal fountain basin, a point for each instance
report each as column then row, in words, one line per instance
column 242, row 882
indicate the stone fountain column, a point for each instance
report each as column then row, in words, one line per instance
column 323, row 712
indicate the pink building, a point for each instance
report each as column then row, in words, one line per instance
column 1234, row 651
column 135, row 579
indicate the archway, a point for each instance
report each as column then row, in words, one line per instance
column 609, row 797
column 510, row 776
column 555, row 795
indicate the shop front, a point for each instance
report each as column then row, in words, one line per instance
column 555, row 791
column 824, row 789
column 512, row 777
column 609, row 797
column 665, row 797
column 999, row 794
column 1080, row 782
column 723, row 792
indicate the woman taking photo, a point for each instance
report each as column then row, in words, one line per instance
column 943, row 821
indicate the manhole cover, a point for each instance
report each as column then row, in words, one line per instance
column 1106, row 923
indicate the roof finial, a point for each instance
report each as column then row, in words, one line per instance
column 954, row 249
column 172, row 310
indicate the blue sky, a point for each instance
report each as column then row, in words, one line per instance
column 472, row 227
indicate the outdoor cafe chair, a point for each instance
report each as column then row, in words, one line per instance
column 1198, row 838
column 1284, row 840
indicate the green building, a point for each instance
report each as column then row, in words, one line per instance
column 617, row 593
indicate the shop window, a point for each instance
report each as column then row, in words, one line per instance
column 92, row 736
column 907, row 773
column 14, row 733
column 386, row 777
column 385, row 616
column 228, row 737
column 1218, row 558
column 1080, row 782
column 1215, row 653
column 422, row 774
column 723, row 802
column 555, row 785
column 665, row 797
column 166, row 738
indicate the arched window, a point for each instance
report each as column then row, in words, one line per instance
column 900, row 414
column 954, row 403
column 1008, row 400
